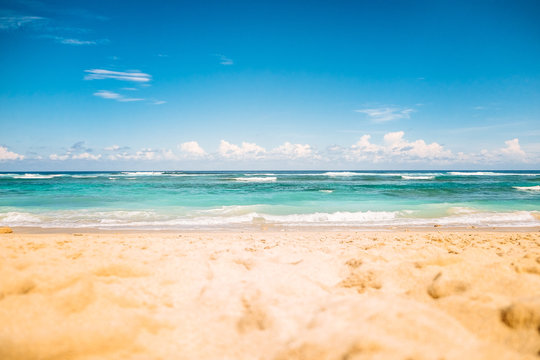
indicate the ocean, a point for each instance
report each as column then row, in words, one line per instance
column 168, row 200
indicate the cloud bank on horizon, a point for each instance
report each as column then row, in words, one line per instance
column 356, row 85
column 394, row 149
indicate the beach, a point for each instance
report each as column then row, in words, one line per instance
column 437, row 294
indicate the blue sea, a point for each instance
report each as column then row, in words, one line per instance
column 168, row 200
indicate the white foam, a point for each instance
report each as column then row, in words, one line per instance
column 256, row 179
column 407, row 177
column 527, row 188
column 84, row 176
column 341, row 173
column 142, row 173
column 36, row 176
column 326, row 191
column 252, row 214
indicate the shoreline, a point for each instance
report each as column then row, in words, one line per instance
column 275, row 228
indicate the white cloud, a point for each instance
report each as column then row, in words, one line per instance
column 159, row 102
column 112, row 148
column 86, row 156
column 5, row 154
column 192, row 149
column 134, row 76
column 295, row 151
column 386, row 113
column 106, row 94
column 145, row 154
column 15, row 22
column 242, row 152
column 513, row 149
column 56, row 157
column 395, row 148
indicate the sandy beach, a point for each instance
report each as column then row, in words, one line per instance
column 270, row 295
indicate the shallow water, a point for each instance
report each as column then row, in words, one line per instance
column 199, row 200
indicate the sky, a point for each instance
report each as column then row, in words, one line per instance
column 222, row 85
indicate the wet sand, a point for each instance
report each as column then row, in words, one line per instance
column 270, row 295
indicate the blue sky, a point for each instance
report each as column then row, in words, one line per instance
column 101, row 85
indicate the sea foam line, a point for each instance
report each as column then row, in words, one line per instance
column 527, row 188
column 407, row 177
column 256, row 179
column 36, row 176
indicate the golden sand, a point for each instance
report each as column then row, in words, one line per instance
column 275, row 295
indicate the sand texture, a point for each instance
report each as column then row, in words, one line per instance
column 270, row 295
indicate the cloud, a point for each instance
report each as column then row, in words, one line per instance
column 106, row 94
column 513, row 149
column 159, row 102
column 223, row 60
column 145, row 155
column 73, row 41
column 295, row 151
column 384, row 114
column 86, row 156
column 77, row 151
column 16, row 21
column 101, row 74
column 56, row 157
column 115, row 148
column 395, row 148
column 192, row 149
column 242, row 152
column 5, row 154
column 252, row 151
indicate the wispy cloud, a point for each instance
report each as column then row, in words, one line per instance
column 73, row 41
column 106, row 94
column 223, row 60
column 77, row 151
column 384, row 114
column 18, row 21
column 133, row 76
column 116, row 148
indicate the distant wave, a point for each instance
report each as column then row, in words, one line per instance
column 84, row 176
column 142, row 173
column 326, row 191
column 407, row 177
column 487, row 173
column 36, row 176
column 256, row 179
column 527, row 188
column 340, row 173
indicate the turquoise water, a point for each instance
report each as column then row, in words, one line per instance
column 202, row 200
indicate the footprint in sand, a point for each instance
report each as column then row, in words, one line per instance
column 122, row 271
column 441, row 287
column 523, row 313
column 361, row 281
column 254, row 317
